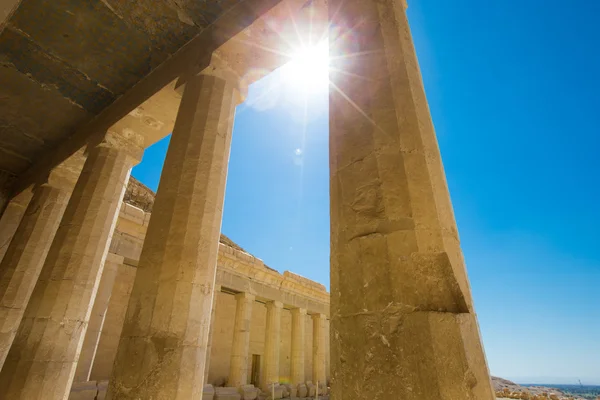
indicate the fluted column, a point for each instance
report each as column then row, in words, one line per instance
column 42, row 360
column 97, row 317
column 162, row 351
column 29, row 247
column 319, row 349
column 13, row 214
column 270, row 370
column 402, row 318
column 298, row 339
column 238, row 369
column 211, row 330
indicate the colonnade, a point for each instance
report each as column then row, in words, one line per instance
column 400, row 295
column 239, row 365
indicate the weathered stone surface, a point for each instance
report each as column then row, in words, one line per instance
column 208, row 393
column 319, row 375
column 249, row 392
column 399, row 292
column 302, row 390
column 227, row 393
column 112, row 325
column 43, row 357
column 270, row 369
column 11, row 218
column 298, row 341
column 97, row 317
column 238, row 370
column 25, row 257
column 163, row 345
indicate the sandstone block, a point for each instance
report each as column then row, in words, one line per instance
column 227, row 393
column 208, row 393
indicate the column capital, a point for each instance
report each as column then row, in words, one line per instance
column 245, row 296
column 218, row 67
column 122, row 139
column 274, row 304
column 318, row 316
column 301, row 311
column 65, row 174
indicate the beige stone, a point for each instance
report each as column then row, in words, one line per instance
column 97, row 318
column 11, row 218
column 163, row 344
column 30, row 244
column 403, row 324
column 238, row 370
column 211, row 331
column 227, row 393
column 25, row 257
column 298, row 342
column 270, row 370
column 43, row 357
column 112, row 325
column 319, row 339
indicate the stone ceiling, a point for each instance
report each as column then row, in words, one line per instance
column 62, row 62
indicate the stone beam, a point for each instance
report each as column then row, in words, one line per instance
column 264, row 292
column 195, row 53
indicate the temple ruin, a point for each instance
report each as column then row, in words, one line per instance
column 109, row 292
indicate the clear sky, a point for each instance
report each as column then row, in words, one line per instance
column 513, row 88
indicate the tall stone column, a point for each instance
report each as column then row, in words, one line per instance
column 42, row 360
column 319, row 349
column 298, row 338
column 113, row 323
column 97, row 317
column 13, row 214
column 402, row 324
column 270, row 370
column 238, row 368
column 6, row 180
column 211, row 330
column 28, row 249
column 163, row 344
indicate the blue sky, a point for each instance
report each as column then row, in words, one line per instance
column 514, row 93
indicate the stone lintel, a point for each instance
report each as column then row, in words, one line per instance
column 265, row 292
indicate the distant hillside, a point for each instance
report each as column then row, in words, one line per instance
column 506, row 389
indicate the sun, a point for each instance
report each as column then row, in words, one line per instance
column 308, row 71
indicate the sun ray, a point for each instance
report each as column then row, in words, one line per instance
column 353, row 104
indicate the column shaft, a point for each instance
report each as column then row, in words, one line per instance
column 25, row 257
column 41, row 363
column 163, row 345
column 12, row 218
column 298, row 338
column 113, row 323
column 210, row 332
column 399, row 290
column 319, row 349
column 238, row 369
column 270, row 371
column 97, row 317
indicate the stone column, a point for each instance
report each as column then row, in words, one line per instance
column 298, row 338
column 42, row 360
column 211, row 329
column 28, row 249
column 97, row 317
column 402, row 319
column 11, row 219
column 319, row 349
column 163, row 345
column 113, row 323
column 270, row 371
column 238, row 368
column 6, row 180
